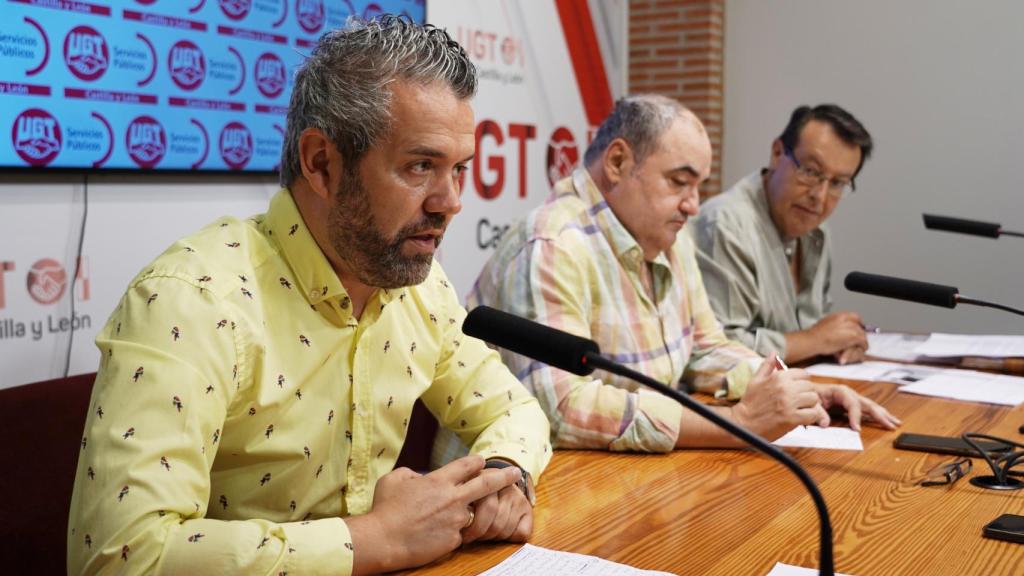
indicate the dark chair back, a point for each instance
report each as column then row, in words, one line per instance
column 41, row 430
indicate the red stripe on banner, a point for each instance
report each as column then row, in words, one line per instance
column 110, row 96
column 161, row 20
column 265, row 109
column 24, row 89
column 68, row 6
column 256, row 35
column 578, row 27
column 204, row 104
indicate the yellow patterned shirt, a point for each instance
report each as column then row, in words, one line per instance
column 241, row 411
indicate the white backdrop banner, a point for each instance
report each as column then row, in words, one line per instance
column 549, row 72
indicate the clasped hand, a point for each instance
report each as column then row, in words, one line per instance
column 417, row 518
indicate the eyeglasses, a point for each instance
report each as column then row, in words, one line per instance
column 948, row 473
column 813, row 178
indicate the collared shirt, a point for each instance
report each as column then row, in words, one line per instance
column 241, row 410
column 573, row 266
column 743, row 259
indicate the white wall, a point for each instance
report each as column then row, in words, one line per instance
column 940, row 85
column 131, row 219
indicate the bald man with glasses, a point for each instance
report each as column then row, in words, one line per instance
column 764, row 250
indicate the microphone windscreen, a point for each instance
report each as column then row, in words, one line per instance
column 912, row 290
column 530, row 339
column 974, row 227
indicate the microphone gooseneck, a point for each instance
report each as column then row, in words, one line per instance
column 581, row 356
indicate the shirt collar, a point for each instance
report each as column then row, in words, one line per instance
column 314, row 275
column 625, row 246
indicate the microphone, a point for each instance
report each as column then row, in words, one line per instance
column 962, row 226
column 530, row 339
column 914, row 291
column 582, row 356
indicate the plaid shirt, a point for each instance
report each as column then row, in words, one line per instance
column 573, row 266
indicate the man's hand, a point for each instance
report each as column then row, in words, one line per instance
column 851, row 355
column 856, row 406
column 776, row 402
column 839, row 332
column 416, row 519
column 505, row 515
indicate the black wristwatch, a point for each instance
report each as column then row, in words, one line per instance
column 525, row 483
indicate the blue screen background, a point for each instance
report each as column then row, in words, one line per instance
column 158, row 84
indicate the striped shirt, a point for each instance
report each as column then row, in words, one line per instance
column 241, row 411
column 572, row 265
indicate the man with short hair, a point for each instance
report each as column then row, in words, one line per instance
column 257, row 378
column 603, row 259
column 764, row 249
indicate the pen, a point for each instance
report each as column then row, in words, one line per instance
column 870, row 328
column 780, row 364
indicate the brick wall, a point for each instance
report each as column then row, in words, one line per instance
column 675, row 49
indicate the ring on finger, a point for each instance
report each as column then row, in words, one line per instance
column 472, row 516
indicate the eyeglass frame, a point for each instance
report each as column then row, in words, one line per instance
column 952, row 472
column 808, row 174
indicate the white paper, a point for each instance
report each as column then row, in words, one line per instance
column 875, row 372
column 836, row 438
column 989, row 346
column 972, row 386
column 895, row 345
column 781, row 569
column 532, row 560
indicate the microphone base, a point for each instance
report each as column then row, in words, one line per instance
column 993, row 483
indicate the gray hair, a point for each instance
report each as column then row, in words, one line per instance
column 640, row 120
column 342, row 87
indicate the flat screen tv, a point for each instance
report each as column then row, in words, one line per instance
column 181, row 85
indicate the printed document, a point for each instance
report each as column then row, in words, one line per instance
column 972, row 386
column 972, row 345
column 836, row 438
column 534, row 560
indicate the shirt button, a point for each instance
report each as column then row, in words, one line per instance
column 314, row 294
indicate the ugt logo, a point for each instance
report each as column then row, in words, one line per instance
column 46, row 281
column 36, row 137
column 236, row 145
column 146, row 141
column 86, row 53
column 236, row 9
column 186, row 64
column 270, row 76
column 562, row 155
column 310, row 14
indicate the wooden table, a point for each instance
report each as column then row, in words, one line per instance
column 739, row 512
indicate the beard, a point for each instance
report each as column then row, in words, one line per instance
column 374, row 258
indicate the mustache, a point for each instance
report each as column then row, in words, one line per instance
column 427, row 223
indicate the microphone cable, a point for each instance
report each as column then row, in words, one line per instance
column 74, row 275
